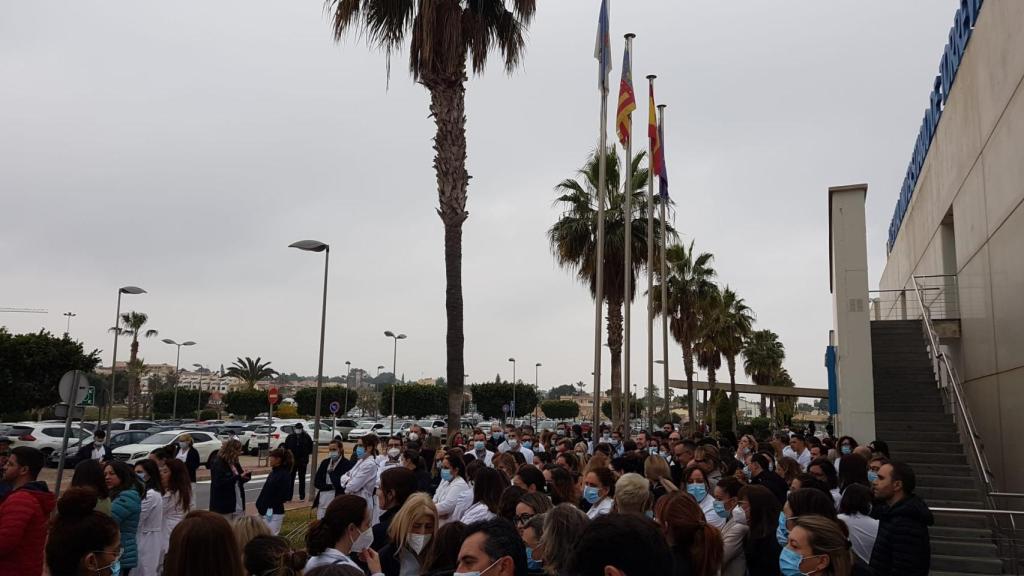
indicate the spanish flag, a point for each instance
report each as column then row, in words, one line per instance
column 627, row 100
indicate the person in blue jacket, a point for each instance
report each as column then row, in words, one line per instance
column 125, row 506
column 276, row 490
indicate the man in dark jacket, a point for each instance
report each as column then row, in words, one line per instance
column 762, row 476
column 97, row 450
column 902, row 545
column 301, row 446
column 24, row 514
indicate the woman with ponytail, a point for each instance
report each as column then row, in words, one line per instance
column 82, row 541
column 344, row 530
column 272, row 556
column 696, row 545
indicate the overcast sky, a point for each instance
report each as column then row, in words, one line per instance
column 182, row 146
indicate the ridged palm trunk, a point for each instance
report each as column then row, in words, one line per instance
column 692, row 401
column 711, row 406
column 133, row 376
column 448, row 108
column 615, row 345
column 734, row 396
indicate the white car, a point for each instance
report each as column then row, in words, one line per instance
column 205, row 443
column 366, row 427
column 44, row 436
column 130, row 425
column 275, row 434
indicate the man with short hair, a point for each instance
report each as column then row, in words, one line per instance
column 97, row 450
column 620, row 545
column 682, row 453
column 526, row 440
column 902, row 545
column 301, row 447
column 479, row 448
column 492, row 548
column 512, row 444
column 24, row 514
column 797, row 450
column 761, row 474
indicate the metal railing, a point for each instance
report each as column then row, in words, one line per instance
column 939, row 296
column 1008, row 542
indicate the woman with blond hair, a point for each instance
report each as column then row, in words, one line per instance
column 248, row 527
column 411, row 534
column 563, row 525
column 658, row 473
column 816, row 546
column 227, row 481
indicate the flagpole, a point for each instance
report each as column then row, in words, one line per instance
column 627, row 210
column 601, row 192
column 664, row 274
column 650, row 273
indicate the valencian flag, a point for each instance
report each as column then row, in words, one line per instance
column 627, row 100
column 603, row 48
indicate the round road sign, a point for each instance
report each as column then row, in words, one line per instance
column 334, row 407
column 272, row 394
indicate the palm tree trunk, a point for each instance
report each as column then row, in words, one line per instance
column 615, row 345
column 764, row 406
column 688, row 367
column 734, row 397
column 447, row 106
column 712, row 404
column 133, row 377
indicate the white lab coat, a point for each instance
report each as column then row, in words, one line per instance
column 712, row 517
column 149, row 537
column 464, row 503
column 174, row 513
column 863, row 530
column 361, row 480
column 603, row 506
column 734, row 535
column 476, row 513
column 447, row 498
column 488, row 457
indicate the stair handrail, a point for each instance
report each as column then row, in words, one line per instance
column 957, row 395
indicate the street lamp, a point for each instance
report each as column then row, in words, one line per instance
column 199, row 387
column 394, row 372
column 317, row 246
column 376, row 389
column 513, row 407
column 113, row 363
column 177, row 359
column 69, row 315
column 348, row 374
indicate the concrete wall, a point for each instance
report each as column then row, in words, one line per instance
column 975, row 171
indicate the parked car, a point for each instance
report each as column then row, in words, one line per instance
column 205, row 443
column 117, row 439
column 46, row 437
column 273, row 435
column 344, row 426
column 130, row 425
column 366, row 427
column 434, row 427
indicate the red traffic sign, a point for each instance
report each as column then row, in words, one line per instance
column 272, row 394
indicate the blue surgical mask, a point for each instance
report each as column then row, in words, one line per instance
column 789, row 562
column 649, row 514
column 446, row 474
column 142, row 476
column 334, row 454
column 720, row 509
column 528, row 445
column 872, row 476
column 746, row 451
column 663, row 455
column 590, row 494
column 747, row 472
column 845, row 449
column 530, row 562
column 478, row 445
column 496, row 435
column 698, row 491
column 782, row 533
column 360, row 451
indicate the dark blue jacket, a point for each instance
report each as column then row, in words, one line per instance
column 223, row 482
column 276, row 491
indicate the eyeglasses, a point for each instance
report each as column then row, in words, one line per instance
column 522, row 519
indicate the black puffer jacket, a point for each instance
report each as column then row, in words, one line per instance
column 902, row 546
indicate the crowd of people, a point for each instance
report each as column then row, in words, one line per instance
column 510, row 502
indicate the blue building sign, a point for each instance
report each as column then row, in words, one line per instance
column 959, row 35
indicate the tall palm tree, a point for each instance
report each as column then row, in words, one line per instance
column 739, row 322
column 708, row 346
column 782, row 407
column 690, row 282
column 132, row 324
column 762, row 360
column 445, row 36
column 250, row 371
column 573, row 241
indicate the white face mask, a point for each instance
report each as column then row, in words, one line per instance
column 394, row 453
column 418, row 542
column 363, row 541
column 414, row 436
column 480, row 573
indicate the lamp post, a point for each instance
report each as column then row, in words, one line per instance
column 348, row 374
column 513, row 407
column 199, row 387
column 536, row 388
column 376, row 389
column 394, row 373
column 113, row 363
column 69, row 315
column 177, row 360
column 317, row 246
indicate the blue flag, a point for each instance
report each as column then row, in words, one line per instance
column 603, row 48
